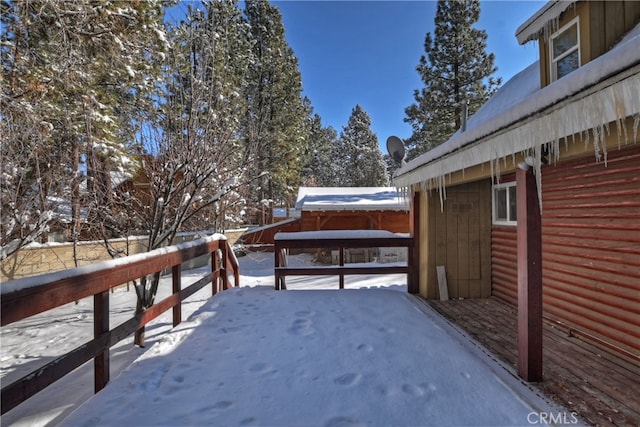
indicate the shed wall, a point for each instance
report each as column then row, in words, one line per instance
column 394, row 221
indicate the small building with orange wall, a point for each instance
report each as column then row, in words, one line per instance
column 352, row 208
column 340, row 208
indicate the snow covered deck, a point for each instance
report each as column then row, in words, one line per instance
column 255, row 356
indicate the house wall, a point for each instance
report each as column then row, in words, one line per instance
column 457, row 235
column 591, row 249
column 602, row 25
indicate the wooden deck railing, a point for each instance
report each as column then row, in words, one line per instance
column 341, row 240
column 27, row 297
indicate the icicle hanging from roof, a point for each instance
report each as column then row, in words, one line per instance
column 588, row 117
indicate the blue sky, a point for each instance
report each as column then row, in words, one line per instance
column 366, row 52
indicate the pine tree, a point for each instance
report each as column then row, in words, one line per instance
column 362, row 159
column 456, row 71
column 74, row 72
column 196, row 151
column 193, row 152
column 317, row 170
column 276, row 126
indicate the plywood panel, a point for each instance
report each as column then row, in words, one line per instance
column 428, row 278
column 459, row 239
column 451, row 242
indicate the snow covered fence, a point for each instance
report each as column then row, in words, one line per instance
column 341, row 239
column 27, row 297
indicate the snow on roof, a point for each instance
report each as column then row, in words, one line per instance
column 520, row 117
column 350, row 199
column 545, row 21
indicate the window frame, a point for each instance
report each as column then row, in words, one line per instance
column 553, row 62
column 494, row 214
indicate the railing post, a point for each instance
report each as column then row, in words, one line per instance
column 276, row 262
column 215, row 271
column 100, row 327
column 413, row 251
column 176, row 272
column 341, row 261
column 280, row 260
column 223, row 266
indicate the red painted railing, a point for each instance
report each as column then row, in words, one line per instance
column 33, row 295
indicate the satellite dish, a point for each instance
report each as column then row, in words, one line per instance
column 395, row 147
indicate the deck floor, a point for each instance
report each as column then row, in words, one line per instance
column 603, row 389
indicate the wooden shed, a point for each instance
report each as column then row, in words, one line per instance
column 339, row 208
column 353, row 208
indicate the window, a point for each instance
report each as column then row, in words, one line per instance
column 564, row 49
column 505, row 204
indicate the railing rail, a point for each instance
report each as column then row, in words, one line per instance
column 352, row 239
column 27, row 297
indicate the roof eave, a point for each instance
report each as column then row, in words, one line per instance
column 543, row 22
column 615, row 96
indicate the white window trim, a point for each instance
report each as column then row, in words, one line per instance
column 495, row 187
column 552, row 60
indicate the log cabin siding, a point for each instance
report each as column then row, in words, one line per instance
column 504, row 263
column 591, row 248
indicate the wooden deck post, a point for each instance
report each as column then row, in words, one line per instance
column 413, row 255
column 100, row 327
column 176, row 282
column 215, row 282
column 223, row 267
column 529, row 278
column 341, row 263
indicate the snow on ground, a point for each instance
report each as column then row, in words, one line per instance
column 256, row 356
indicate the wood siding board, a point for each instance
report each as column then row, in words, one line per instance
column 463, row 244
column 428, row 246
column 631, row 13
column 589, row 277
column 597, row 305
column 504, row 264
column 597, row 40
column 484, row 236
column 451, row 245
column 581, row 321
column 613, row 22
